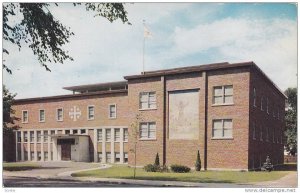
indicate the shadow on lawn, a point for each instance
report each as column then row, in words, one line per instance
column 24, row 168
column 286, row 167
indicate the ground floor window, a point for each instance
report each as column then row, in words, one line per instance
column 39, row 156
column 125, row 157
column 25, row 156
column 117, row 157
column 32, row 155
column 19, row 156
column 46, row 156
column 75, row 131
column 108, row 157
column 99, row 156
column 51, row 158
column 67, row 132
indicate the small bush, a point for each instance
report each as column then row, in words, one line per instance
column 198, row 162
column 156, row 162
column 180, row 169
column 151, row 168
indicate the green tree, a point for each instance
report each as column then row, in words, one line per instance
column 43, row 33
column 198, row 162
column 8, row 113
column 156, row 163
column 291, row 121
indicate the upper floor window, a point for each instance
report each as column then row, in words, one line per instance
column 19, row 136
column 223, row 94
column 52, row 132
column 91, row 112
column 262, row 103
column 31, row 136
column 117, row 134
column 99, row 135
column 108, row 135
column 45, row 136
column 222, row 128
column 112, row 111
column 42, row 115
column 125, row 137
column 147, row 100
column 25, row 136
column 59, row 114
column 254, row 97
column 39, row 136
column 24, row 116
column 148, row 130
column 267, row 105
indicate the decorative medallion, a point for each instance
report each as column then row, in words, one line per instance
column 75, row 113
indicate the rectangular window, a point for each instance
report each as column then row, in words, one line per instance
column 19, row 136
column 46, row 136
column 267, row 105
column 60, row 114
column 223, row 94
column 39, row 156
column 99, row 156
column 254, row 131
column 67, row 131
column 39, row 136
column 147, row 100
column 75, row 131
column 31, row 136
column 46, row 156
column 32, row 155
column 25, row 136
column 99, row 135
column 117, row 157
column 125, row 138
column 254, row 97
column 262, row 103
column 24, row 116
column 52, row 133
column 91, row 112
column 25, row 156
column 117, row 134
column 42, row 116
column 82, row 131
column 148, row 130
column 125, row 157
column 222, row 128
column 112, row 111
column 51, row 158
column 108, row 135
column 108, row 157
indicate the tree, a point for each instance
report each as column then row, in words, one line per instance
column 156, row 163
column 291, row 121
column 134, row 135
column 198, row 162
column 8, row 113
column 43, row 33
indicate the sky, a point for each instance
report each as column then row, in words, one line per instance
column 183, row 34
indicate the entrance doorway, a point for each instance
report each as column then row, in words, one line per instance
column 65, row 145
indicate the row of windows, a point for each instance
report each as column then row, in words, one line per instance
column 269, row 135
column 265, row 105
column 117, row 157
column 112, row 114
column 39, row 156
column 108, row 135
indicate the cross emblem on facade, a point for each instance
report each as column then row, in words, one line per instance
column 74, row 113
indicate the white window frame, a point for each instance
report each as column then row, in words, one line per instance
column 115, row 131
column 88, row 112
column 222, row 95
column 39, row 139
column 124, row 139
column 115, row 161
column 42, row 121
column 109, row 112
column 26, row 136
column 106, row 132
column 62, row 111
column 46, row 136
column 31, row 141
column 254, row 97
column 148, row 129
column 23, row 116
column 98, row 132
column 148, row 100
column 223, row 128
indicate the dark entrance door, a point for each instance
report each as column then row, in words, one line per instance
column 66, row 151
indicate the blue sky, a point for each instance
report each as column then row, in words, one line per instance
column 184, row 34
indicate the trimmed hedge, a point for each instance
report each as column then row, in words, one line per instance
column 180, row 168
column 151, row 168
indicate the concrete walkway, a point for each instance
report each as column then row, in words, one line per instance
column 288, row 181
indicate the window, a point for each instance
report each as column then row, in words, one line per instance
column 148, row 130
column 254, row 97
column 117, row 134
column 91, row 112
column 222, row 128
column 67, row 131
column 125, row 157
column 60, row 114
column 254, row 132
column 261, row 133
column 117, row 157
column 52, row 133
column 19, row 136
column 267, row 105
column 45, row 136
column 39, row 156
column 24, row 116
column 108, row 135
column 223, row 95
column 51, row 158
column 108, row 157
column 46, row 156
column 147, row 100
column 75, row 131
column 32, row 155
column 99, row 156
column 25, row 156
column 112, row 111
column 262, row 103
column 31, row 136
column 99, row 135
column 39, row 135
column 82, row 131
column 25, row 136
column 42, row 115
column 125, row 137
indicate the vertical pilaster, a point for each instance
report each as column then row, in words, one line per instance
column 71, row 131
column 35, row 144
column 103, row 145
column 42, row 145
column 49, row 146
column 17, row 157
column 28, row 146
column 22, row 145
column 121, row 145
column 112, row 146
column 54, row 143
column 95, row 146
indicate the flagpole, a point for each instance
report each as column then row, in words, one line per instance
column 143, row 72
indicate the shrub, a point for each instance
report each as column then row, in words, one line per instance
column 156, row 162
column 267, row 166
column 180, row 169
column 198, row 162
column 151, row 168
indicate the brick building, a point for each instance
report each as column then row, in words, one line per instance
column 232, row 113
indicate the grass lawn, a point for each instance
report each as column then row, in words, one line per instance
column 19, row 166
column 204, row 176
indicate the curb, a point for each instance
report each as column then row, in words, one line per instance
column 69, row 173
